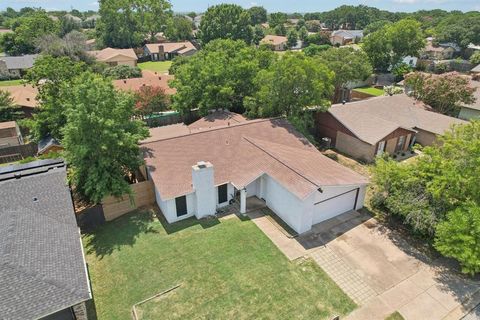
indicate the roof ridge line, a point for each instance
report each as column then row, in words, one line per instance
column 282, row 162
column 255, row 121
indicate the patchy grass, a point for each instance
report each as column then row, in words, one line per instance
column 158, row 66
column 228, row 269
column 371, row 91
column 395, row 316
column 4, row 83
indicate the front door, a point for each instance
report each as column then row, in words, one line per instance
column 381, row 148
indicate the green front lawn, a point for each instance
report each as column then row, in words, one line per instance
column 158, row 66
column 228, row 269
column 371, row 91
column 4, row 83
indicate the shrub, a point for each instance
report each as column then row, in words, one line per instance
column 123, row 72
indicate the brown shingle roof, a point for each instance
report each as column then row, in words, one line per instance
column 165, row 132
column 109, row 53
column 275, row 40
column 170, row 47
column 216, row 119
column 373, row 119
column 8, row 125
column 23, row 95
column 242, row 152
column 149, row 79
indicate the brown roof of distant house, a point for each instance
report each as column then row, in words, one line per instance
column 171, row 47
column 149, row 79
column 275, row 40
column 23, row 95
column 165, row 132
column 476, row 94
column 109, row 53
column 242, row 152
column 373, row 119
column 431, row 48
column 216, row 119
column 8, row 124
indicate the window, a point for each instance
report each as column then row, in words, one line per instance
column 181, row 203
column 222, row 193
column 400, row 143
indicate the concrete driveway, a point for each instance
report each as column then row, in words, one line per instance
column 378, row 269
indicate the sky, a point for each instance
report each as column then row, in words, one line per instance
column 270, row 5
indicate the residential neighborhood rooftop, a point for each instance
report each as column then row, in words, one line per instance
column 275, row 40
column 19, row 62
column 23, row 95
column 43, row 268
column 171, row 47
column 8, row 124
column 149, row 78
column 373, row 119
column 242, row 152
column 108, row 53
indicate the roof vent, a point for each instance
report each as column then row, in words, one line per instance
column 35, row 199
column 28, row 99
column 124, row 81
column 343, row 101
column 159, row 78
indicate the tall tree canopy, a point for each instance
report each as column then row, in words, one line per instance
column 26, row 31
column 289, row 85
column 72, row 45
column 390, row 44
column 225, row 21
column 49, row 74
column 445, row 93
column 438, row 195
column 257, row 14
column 349, row 65
column 126, row 23
column 100, row 137
column 179, row 28
column 219, row 76
column 460, row 28
column 8, row 109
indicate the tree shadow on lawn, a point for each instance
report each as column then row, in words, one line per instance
column 170, row 228
column 123, row 231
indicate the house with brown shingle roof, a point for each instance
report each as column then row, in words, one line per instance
column 115, row 57
column 279, row 43
column 25, row 96
column 149, row 78
column 392, row 124
column 168, row 50
column 195, row 173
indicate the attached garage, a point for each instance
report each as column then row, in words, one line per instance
column 328, row 208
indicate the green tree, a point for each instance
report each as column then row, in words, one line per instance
column 375, row 26
column 317, row 38
column 179, row 28
column 315, row 49
column 406, row 38
column 458, row 237
column 378, row 50
column 459, row 28
column 277, row 18
column 303, row 33
column 219, row 76
column 26, row 31
column 400, row 70
column 100, row 137
column 475, row 58
column 258, row 34
column 290, row 85
column 225, row 21
column 280, row 30
column 292, row 38
column 72, row 45
column 445, row 92
column 258, row 15
column 349, row 65
column 8, row 109
column 49, row 74
column 153, row 15
column 123, row 72
column 151, row 99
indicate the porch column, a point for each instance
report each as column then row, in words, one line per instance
column 243, row 200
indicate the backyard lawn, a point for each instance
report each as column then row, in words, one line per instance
column 226, row 269
column 4, row 83
column 158, row 66
column 370, row 90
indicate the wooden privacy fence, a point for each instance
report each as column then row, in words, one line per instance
column 143, row 195
column 15, row 153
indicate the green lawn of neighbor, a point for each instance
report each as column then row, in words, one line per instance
column 158, row 66
column 4, row 83
column 395, row 316
column 228, row 269
column 370, row 90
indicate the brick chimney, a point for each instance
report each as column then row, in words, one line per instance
column 161, row 53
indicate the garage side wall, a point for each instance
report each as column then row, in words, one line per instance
column 354, row 147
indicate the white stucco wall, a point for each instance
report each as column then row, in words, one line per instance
column 230, row 194
column 253, row 188
column 206, row 194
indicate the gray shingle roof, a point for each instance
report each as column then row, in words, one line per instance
column 20, row 62
column 42, row 268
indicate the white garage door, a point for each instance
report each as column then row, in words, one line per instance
column 334, row 206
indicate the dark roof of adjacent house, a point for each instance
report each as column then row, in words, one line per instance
column 373, row 119
column 242, row 152
column 46, row 143
column 476, row 69
column 42, row 267
column 19, row 62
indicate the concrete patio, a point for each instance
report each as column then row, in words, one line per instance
column 378, row 269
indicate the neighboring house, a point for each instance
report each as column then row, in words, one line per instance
column 196, row 173
column 476, row 70
column 114, row 57
column 279, row 43
column 10, row 134
column 411, row 61
column 168, row 50
column 25, row 96
column 149, row 79
column 432, row 52
column 43, row 274
column 217, row 118
column 90, row 44
column 472, row 111
column 343, row 37
column 368, row 128
column 16, row 66
column 48, row 144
